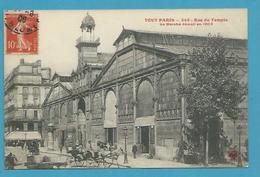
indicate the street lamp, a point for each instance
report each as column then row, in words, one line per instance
column 51, row 131
column 239, row 160
column 125, row 155
column 206, row 125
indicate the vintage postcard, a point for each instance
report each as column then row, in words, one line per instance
column 125, row 88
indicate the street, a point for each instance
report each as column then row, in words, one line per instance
column 140, row 162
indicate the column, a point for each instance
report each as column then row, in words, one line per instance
column 75, row 115
column 134, row 107
column 89, row 127
column 155, row 107
column 117, row 111
column 182, row 65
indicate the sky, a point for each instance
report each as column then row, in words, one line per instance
column 58, row 31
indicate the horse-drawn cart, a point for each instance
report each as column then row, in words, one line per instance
column 32, row 163
column 89, row 159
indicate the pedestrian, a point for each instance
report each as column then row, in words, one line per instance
column 10, row 161
column 134, row 150
column 232, row 153
column 61, row 147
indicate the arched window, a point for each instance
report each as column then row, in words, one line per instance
column 70, row 111
column 145, row 100
column 56, row 112
column 125, row 106
column 81, row 105
column 110, row 113
column 63, row 111
column 168, row 96
column 51, row 113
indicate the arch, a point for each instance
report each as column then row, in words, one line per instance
column 56, row 112
column 141, row 81
column 125, row 100
column 63, row 110
column 81, row 105
column 51, row 113
column 168, row 95
column 96, row 106
column 69, row 110
column 172, row 71
column 109, row 90
column 145, row 99
column 110, row 112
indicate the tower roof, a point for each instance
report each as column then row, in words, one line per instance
column 88, row 23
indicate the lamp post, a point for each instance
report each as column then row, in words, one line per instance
column 125, row 154
column 51, row 131
column 239, row 160
column 207, row 142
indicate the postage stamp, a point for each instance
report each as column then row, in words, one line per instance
column 21, row 32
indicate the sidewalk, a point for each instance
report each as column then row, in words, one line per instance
column 45, row 150
column 141, row 161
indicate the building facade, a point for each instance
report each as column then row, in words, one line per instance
column 25, row 90
column 133, row 91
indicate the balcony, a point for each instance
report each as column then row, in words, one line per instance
column 31, row 106
column 87, row 41
column 10, row 108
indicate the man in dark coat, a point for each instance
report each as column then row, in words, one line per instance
column 134, row 150
column 10, row 161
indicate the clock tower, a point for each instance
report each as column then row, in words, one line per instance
column 87, row 44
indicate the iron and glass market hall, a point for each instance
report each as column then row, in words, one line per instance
column 132, row 93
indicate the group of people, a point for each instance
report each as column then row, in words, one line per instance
column 10, row 161
column 100, row 148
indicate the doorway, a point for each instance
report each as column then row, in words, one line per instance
column 111, row 135
column 145, row 140
column 62, row 138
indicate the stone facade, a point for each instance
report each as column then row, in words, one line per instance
column 26, row 87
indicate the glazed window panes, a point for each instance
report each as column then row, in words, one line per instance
column 168, row 96
column 111, row 73
column 51, row 113
column 125, row 64
column 125, row 106
column 145, row 100
column 36, row 91
column 36, row 101
column 63, row 110
column 97, row 112
column 25, row 91
column 143, row 59
column 122, row 66
column 56, row 112
column 70, row 111
column 35, row 126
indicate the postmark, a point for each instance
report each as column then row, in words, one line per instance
column 21, row 29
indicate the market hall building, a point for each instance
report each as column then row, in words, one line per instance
column 134, row 88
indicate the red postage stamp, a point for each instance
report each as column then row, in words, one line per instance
column 21, row 32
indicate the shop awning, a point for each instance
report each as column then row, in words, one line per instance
column 145, row 121
column 23, row 135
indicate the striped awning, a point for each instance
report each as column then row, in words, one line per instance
column 23, row 135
